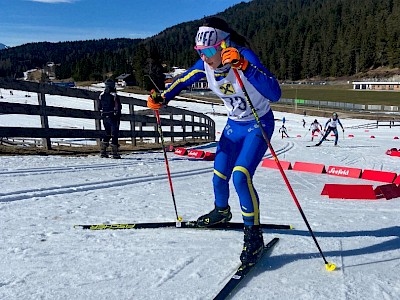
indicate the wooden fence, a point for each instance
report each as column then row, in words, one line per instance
column 177, row 124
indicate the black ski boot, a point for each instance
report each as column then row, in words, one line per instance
column 115, row 153
column 103, row 149
column 253, row 245
column 216, row 216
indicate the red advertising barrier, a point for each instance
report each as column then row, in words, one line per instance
column 180, row 151
column 388, row 191
column 195, row 153
column 349, row 191
column 393, row 152
column 309, row 167
column 397, row 180
column 388, row 152
column 381, row 176
column 351, row 135
column 271, row 163
column 209, row 156
column 344, row 172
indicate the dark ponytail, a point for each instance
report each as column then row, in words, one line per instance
column 221, row 24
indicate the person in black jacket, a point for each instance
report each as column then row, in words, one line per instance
column 110, row 109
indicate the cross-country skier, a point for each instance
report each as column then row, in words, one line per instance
column 110, row 109
column 283, row 131
column 241, row 146
column 331, row 124
column 315, row 127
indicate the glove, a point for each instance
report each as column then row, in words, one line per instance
column 116, row 112
column 155, row 101
column 343, row 129
column 232, row 56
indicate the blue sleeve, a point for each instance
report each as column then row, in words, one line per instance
column 261, row 78
column 327, row 122
column 195, row 73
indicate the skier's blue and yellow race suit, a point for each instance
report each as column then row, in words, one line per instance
column 241, row 146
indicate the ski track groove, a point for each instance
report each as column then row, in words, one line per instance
column 26, row 194
column 172, row 272
column 42, row 171
column 85, row 187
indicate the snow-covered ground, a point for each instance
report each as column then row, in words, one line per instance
column 45, row 257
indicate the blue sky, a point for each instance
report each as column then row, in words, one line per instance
column 24, row 21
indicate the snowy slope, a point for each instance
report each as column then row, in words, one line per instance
column 45, row 257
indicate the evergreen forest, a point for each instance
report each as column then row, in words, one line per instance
column 295, row 39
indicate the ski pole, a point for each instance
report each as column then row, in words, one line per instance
column 328, row 266
column 178, row 218
column 166, row 164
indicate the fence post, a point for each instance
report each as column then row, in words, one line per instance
column 44, row 120
column 97, row 122
column 205, row 128
column 192, row 119
column 184, row 127
column 171, row 117
column 213, row 137
column 132, row 122
column 157, row 140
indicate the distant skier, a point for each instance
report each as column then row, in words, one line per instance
column 315, row 127
column 283, row 131
column 304, row 123
column 331, row 124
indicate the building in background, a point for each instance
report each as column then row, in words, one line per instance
column 377, row 85
column 125, row 80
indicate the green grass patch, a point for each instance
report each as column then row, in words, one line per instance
column 340, row 93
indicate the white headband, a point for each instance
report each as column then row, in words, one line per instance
column 208, row 36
